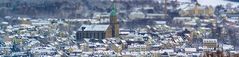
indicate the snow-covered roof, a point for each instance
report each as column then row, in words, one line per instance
column 160, row 22
column 94, row 27
column 213, row 2
column 136, row 15
column 190, row 49
column 227, row 47
column 182, row 18
column 167, row 50
column 209, row 40
column 136, row 46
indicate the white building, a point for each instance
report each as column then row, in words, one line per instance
column 137, row 47
column 210, row 43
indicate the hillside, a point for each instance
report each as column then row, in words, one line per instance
column 58, row 8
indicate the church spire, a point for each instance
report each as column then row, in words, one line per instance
column 113, row 21
column 113, row 11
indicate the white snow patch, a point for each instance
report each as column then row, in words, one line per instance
column 213, row 2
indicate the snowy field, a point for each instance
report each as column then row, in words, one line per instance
column 213, row 2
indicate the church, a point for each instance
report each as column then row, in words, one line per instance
column 100, row 31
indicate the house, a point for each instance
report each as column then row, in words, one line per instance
column 137, row 47
column 210, row 43
column 190, row 50
column 43, row 51
column 155, row 16
column 195, row 10
column 117, row 48
column 136, row 15
column 179, row 21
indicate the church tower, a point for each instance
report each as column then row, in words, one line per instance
column 114, row 22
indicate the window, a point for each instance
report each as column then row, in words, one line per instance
column 86, row 34
column 96, row 35
column 90, row 34
column 103, row 35
column 81, row 35
column 100, row 35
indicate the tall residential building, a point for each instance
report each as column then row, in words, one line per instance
column 113, row 22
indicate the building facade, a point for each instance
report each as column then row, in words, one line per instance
column 210, row 43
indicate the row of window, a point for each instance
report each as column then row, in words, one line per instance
column 99, row 35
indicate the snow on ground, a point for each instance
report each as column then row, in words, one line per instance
column 213, row 2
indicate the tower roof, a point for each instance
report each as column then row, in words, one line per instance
column 113, row 11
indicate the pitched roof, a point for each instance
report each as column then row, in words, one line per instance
column 94, row 27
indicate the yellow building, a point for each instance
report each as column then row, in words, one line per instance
column 117, row 48
column 196, row 10
column 155, row 54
